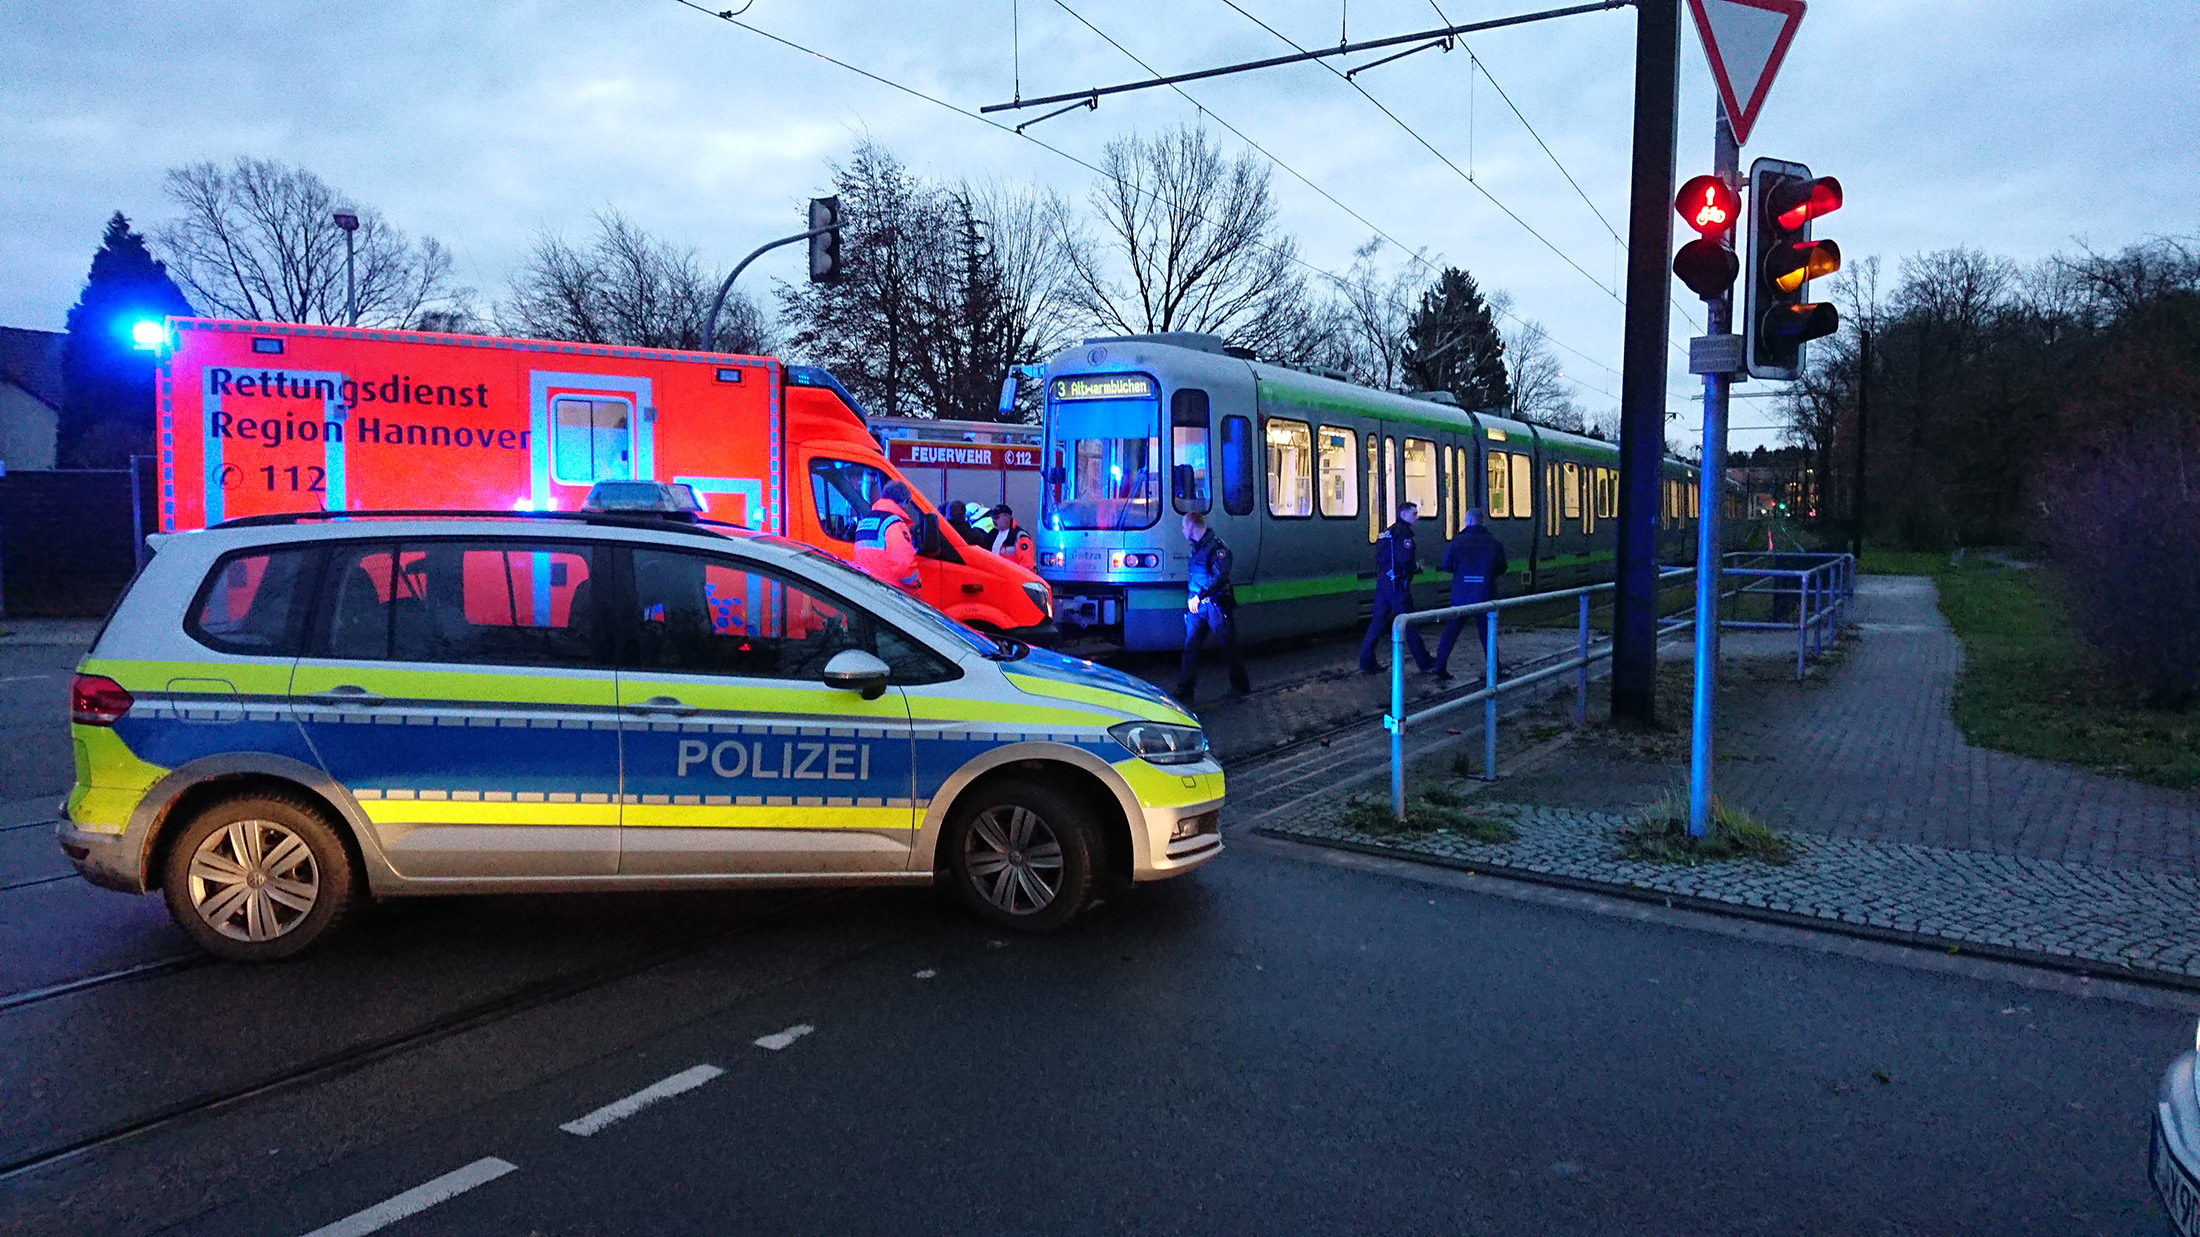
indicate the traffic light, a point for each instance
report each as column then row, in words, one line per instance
column 825, row 261
column 1776, row 319
column 1707, row 264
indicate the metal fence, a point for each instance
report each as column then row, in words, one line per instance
column 1821, row 590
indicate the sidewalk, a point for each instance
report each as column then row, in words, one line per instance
column 1899, row 826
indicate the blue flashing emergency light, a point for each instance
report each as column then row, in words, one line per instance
column 149, row 334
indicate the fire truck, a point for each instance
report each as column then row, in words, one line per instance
column 261, row 417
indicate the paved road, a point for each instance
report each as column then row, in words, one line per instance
column 1284, row 1042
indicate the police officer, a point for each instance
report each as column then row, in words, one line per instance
column 885, row 549
column 1476, row 562
column 1396, row 563
column 1211, row 608
column 1010, row 541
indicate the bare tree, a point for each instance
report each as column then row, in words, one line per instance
column 1376, row 311
column 258, row 240
column 1542, row 395
column 624, row 287
column 1187, row 243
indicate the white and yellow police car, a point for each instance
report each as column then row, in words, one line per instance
column 286, row 714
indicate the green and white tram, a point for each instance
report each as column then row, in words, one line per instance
column 1299, row 473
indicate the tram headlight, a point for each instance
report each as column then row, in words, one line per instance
column 1161, row 743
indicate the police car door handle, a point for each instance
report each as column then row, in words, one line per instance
column 662, row 704
column 349, row 693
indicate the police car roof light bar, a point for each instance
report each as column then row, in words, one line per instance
column 613, row 519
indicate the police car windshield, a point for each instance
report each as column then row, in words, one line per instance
column 903, row 607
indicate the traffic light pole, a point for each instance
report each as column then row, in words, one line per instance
column 718, row 304
column 1726, row 164
column 1642, row 362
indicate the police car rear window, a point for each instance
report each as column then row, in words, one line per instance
column 471, row 602
column 252, row 602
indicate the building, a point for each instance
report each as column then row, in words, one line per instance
column 30, row 397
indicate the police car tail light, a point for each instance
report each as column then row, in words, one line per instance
column 1160, row 743
column 96, row 700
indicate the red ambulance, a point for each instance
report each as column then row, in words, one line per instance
column 264, row 417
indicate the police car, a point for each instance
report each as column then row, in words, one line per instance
column 286, row 714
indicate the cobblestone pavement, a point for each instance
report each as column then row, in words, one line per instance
column 1898, row 824
column 2145, row 921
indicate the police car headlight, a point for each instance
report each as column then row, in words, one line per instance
column 1040, row 597
column 1160, row 743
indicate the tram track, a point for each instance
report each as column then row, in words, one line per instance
column 345, row 1060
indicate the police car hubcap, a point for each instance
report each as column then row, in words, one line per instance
column 253, row 880
column 1014, row 859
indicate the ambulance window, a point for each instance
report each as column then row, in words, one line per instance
column 1188, row 475
column 593, row 438
column 703, row 615
column 1237, row 465
column 1337, row 464
column 252, row 603
column 501, row 603
column 843, row 492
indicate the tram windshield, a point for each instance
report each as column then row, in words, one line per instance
column 1103, row 468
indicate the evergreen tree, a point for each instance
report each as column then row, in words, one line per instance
column 1452, row 344
column 107, row 380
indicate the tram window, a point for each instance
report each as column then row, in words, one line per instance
column 1188, row 483
column 1290, row 468
column 1550, row 500
column 1693, row 500
column 1237, row 465
column 1570, row 481
column 1420, row 475
column 1460, row 500
column 1523, row 487
column 1340, row 488
column 1500, row 471
column 1390, row 481
column 1374, row 493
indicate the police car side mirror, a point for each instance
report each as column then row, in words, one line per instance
column 853, row 670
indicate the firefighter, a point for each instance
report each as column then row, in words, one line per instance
column 1476, row 562
column 1210, row 608
column 1396, row 563
column 1010, row 541
column 885, row 549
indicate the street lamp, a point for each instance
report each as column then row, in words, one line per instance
column 349, row 222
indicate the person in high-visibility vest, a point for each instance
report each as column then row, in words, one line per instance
column 885, row 549
column 1010, row 541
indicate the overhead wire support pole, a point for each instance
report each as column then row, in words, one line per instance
column 1445, row 43
column 1091, row 104
column 1343, row 49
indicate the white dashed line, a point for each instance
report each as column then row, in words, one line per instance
column 926, row 974
column 781, row 1039
column 418, row 1199
column 620, row 1110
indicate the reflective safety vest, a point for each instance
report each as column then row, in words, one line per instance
column 1014, row 544
column 884, row 549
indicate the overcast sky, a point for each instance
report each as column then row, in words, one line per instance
column 2019, row 126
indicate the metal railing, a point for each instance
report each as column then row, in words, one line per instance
column 1822, row 588
column 1824, row 592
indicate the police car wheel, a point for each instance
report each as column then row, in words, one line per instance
column 258, row 878
column 1022, row 856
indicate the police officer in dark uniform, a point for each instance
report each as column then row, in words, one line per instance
column 1396, row 563
column 1210, row 608
column 1476, row 562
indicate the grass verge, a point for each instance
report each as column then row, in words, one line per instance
column 1661, row 836
column 2031, row 686
column 1435, row 809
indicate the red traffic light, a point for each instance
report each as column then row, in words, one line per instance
column 1710, row 205
column 1707, row 267
column 1793, row 203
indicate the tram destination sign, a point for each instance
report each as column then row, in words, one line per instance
column 990, row 457
column 1104, row 386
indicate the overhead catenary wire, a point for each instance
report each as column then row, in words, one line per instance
column 1204, row 110
column 936, row 101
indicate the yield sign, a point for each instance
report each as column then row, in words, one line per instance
column 1745, row 41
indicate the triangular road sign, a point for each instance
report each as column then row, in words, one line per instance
column 1745, row 41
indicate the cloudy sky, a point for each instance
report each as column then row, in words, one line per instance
column 2020, row 126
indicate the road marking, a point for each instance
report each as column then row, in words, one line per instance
column 620, row 1110
column 781, row 1039
column 417, row 1199
column 27, row 678
column 926, row 974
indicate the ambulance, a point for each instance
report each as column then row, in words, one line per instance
column 262, row 418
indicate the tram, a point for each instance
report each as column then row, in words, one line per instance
column 1299, row 472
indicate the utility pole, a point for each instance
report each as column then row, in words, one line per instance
column 350, row 224
column 1726, row 164
column 1863, row 406
column 1642, row 377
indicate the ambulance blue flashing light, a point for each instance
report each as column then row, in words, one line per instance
column 148, row 334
